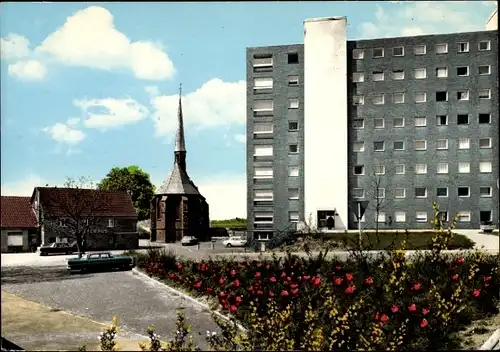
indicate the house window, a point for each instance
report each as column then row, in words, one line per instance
column 485, row 167
column 441, row 144
column 263, row 218
column 462, row 71
column 420, row 49
column 377, row 76
column 358, row 147
column 420, row 121
column 379, row 169
column 293, row 81
column 379, row 146
column 463, row 95
column 293, row 126
column 358, row 77
column 358, row 100
column 485, row 191
column 293, row 171
column 421, row 216
column 381, row 217
column 378, row 53
column 398, row 122
column 463, row 191
column 463, row 143
column 398, row 74
column 463, row 168
column 293, row 103
column 263, row 195
column 442, row 120
column 399, row 145
column 263, row 173
column 378, row 123
column 400, row 169
column 398, row 51
column 420, row 192
column 442, row 72
column 462, row 119
column 485, row 217
column 441, row 48
column 398, row 98
column 484, row 45
column 484, row 118
column 463, row 47
column 358, row 54
column 293, row 216
column 358, row 170
column 484, row 93
column 442, row 96
column 420, row 169
column 262, row 83
column 263, row 150
column 378, row 99
column 441, row 168
column 293, row 193
column 380, row 193
column 400, row 216
column 463, row 216
column 484, row 70
column 485, row 143
column 420, row 145
column 293, row 148
column 443, row 216
column 293, row 58
column 420, row 73
column 262, row 127
column 358, row 193
column 263, row 61
column 442, row 192
column 358, row 124
column 111, row 222
column 263, row 105
column 420, row 97
column 399, row 193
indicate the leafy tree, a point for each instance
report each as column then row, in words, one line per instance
column 134, row 180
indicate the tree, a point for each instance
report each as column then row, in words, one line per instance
column 134, row 180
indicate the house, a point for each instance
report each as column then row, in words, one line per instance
column 18, row 224
column 105, row 219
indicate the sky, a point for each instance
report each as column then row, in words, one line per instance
column 87, row 87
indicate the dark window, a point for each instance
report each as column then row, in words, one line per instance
column 378, row 52
column 462, row 119
column 293, row 126
column 359, row 170
column 420, row 192
column 484, row 118
column 293, row 58
column 443, row 215
column 442, row 192
column 485, row 217
column 463, row 191
column 442, row 96
column 463, row 71
column 399, row 145
column 442, row 120
column 293, row 148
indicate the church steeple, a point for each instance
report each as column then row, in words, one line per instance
column 180, row 144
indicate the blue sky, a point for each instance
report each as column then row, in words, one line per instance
column 86, row 88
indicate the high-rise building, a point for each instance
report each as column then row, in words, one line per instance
column 398, row 122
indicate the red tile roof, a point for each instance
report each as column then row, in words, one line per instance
column 17, row 213
column 88, row 202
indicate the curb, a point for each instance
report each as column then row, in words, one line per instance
column 185, row 296
column 493, row 343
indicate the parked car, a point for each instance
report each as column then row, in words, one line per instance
column 58, row 248
column 189, row 240
column 235, row 241
column 100, row 261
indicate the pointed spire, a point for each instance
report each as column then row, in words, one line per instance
column 180, row 144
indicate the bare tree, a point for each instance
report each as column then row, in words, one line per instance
column 74, row 211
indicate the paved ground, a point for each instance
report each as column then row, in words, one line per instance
column 488, row 241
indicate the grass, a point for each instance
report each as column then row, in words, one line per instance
column 229, row 223
column 33, row 326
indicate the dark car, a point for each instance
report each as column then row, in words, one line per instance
column 58, row 248
column 100, row 261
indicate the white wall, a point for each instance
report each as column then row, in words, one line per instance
column 492, row 23
column 325, row 118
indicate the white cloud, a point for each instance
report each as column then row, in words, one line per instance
column 28, row 70
column 108, row 113
column 14, row 46
column 23, row 187
column 411, row 18
column 240, row 138
column 89, row 38
column 215, row 103
column 65, row 133
column 152, row 90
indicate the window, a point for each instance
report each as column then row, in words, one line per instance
column 358, row 77
column 293, row 58
column 358, row 170
column 378, row 53
column 263, row 61
column 293, row 126
column 420, row 169
column 293, row 103
column 377, row 76
column 463, row 71
column 463, row 191
column 358, row 124
column 420, row 192
column 442, row 72
column 399, row 145
column 420, row 49
column 263, row 105
column 293, row 148
column 398, row 51
column 442, row 96
column 463, row 95
column 419, row 73
column 442, row 120
column 484, row 93
column 485, row 143
column 293, row 171
column 485, row 167
column 293, row 193
column 484, row 45
column 463, row 143
column 263, row 195
column 263, row 173
column 262, row 83
column 463, row 216
column 263, row 150
column 358, row 193
column 378, row 123
column 293, row 216
column 358, row 147
column 484, row 70
column 400, row 169
column 484, row 118
column 442, row 192
column 485, row 217
column 420, row 97
column 379, row 146
column 400, row 216
column 420, row 145
column 485, row 191
column 398, row 122
column 398, row 98
column 380, row 217
column 441, row 48
column 358, row 99
column 441, row 168
column 358, row 54
column 378, row 99
column 399, row 193
column 380, row 193
column 421, row 216
column 263, row 218
column 398, row 75
column 462, row 119
column 442, row 216
column 420, row 121
column 293, row 81
column 111, row 222
column 379, row 169
column 463, row 47
column 463, row 168
column 262, row 127
column 441, row 144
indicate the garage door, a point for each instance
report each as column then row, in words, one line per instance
column 15, row 239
